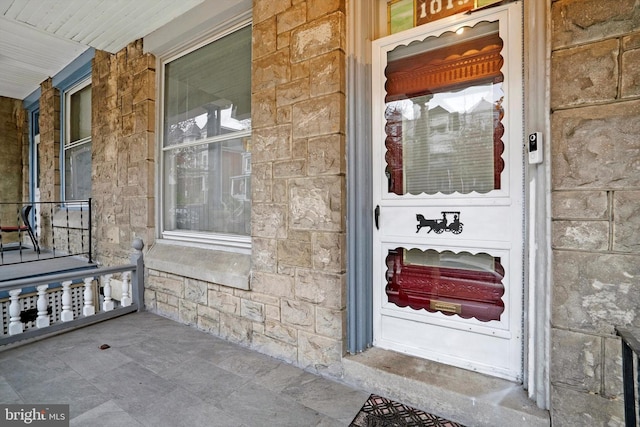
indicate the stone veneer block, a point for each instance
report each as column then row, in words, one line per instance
column 272, row 220
column 263, row 107
column 262, row 258
column 326, row 155
column 235, row 329
column 280, row 332
column 328, row 252
column 293, row 17
column 317, row 38
column 577, row 360
column 593, row 71
column 630, row 73
column 571, row 408
column 318, row 116
column 594, row 292
column 316, row 203
column 271, row 143
column 327, row 73
column 269, row 8
column 275, row 285
column 626, row 223
column 298, row 314
column 583, row 235
column 294, row 253
column 270, row 71
column 580, row 21
column 320, row 353
column 320, row 288
column 579, row 205
column 264, row 39
column 612, row 375
column 596, row 147
column 317, row 8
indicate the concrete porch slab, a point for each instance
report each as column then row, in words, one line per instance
column 456, row 394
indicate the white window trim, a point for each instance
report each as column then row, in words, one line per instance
column 222, row 241
column 67, row 144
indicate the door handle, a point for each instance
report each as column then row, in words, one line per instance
column 376, row 216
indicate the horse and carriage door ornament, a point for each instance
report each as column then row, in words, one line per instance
column 447, row 141
column 439, row 225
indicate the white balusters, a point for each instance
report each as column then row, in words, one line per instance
column 126, row 296
column 15, row 324
column 43, row 313
column 88, row 309
column 108, row 304
column 67, row 313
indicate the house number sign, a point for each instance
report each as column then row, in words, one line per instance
column 432, row 10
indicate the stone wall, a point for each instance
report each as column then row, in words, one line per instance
column 12, row 162
column 49, row 168
column 123, row 151
column 595, row 99
column 298, row 182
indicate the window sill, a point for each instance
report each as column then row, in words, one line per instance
column 209, row 265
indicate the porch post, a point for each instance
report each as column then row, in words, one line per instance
column 137, row 279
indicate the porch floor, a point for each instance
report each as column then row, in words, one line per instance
column 19, row 264
column 158, row 372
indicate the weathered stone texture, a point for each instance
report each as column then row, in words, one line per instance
column 319, row 353
column 298, row 155
column 612, row 368
column 596, row 147
column 123, row 144
column 579, row 21
column 264, row 38
column 595, row 292
column 571, row 408
column 323, row 289
column 583, row 235
column 318, row 37
column 326, row 155
column 579, row 205
column 631, row 72
column 316, row 204
column 577, row 360
column 585, row 74
column 12, row 128
column 270, row 71
column 272, row 143
column 626, row 234
column 319, row 116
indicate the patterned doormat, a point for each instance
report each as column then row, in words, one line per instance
column 378, row 411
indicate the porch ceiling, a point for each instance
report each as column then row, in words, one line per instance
column 39, row 38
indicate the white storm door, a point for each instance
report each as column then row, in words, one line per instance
column 448, row 191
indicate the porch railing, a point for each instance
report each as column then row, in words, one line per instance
column 630, row 378
column 50, row 304
column 49, row 229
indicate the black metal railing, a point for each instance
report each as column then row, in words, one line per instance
column 33, row 231
column 630, row 380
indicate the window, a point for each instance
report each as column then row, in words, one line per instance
column 206, row 142
column 77, row 142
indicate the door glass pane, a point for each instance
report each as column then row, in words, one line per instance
column 463, row 284
column 444, row 113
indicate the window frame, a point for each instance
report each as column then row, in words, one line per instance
column 214, row 240
column 65, row 99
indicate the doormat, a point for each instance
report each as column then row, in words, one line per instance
column 378, row 411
